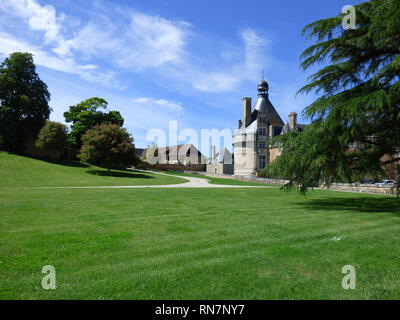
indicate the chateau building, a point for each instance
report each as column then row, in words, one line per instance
column 220, row 162
column 252, row 141
column 183, row 154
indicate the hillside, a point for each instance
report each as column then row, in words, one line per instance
column 19, row 171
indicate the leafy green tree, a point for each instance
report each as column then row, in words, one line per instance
column 86, row 115
column 356, row 119
column 108, row 146
column 23, row 100
column 52, row 137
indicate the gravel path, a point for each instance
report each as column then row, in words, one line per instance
column 192, row 183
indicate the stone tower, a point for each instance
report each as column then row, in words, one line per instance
column 252, row 140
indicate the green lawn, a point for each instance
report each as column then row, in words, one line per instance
column 18, row 171
column 192, row 243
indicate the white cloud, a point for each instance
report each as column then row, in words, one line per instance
column 9, row 44
column 253, row 39
column 254, row 60
column 145, row 42
column 40, row 18
column 128, row 40
column 216, row 81
column 45, row 19
column 159, row 103
column 155, row 40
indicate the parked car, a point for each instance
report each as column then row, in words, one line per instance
column 386, row 183
column 367, row 181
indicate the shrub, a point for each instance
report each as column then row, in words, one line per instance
column 52, row 137
column 108, row 146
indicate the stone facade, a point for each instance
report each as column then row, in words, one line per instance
column 221, row 162
column 184, row 154
column 219, row 168
column 252, row 141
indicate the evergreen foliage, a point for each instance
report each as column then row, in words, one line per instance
column 355, row 126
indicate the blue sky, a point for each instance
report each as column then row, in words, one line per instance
column 161, row 60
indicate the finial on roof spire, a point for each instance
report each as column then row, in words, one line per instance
column 263, row 86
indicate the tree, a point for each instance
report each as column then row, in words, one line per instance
column 108, row 145
column 23, row 100
column 356, row 119
column 85, row 115
column 52, row 137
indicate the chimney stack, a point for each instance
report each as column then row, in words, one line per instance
column 293, row 121
column 213, row 154
column 246, row 112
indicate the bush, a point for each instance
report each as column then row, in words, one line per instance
column 52, row 137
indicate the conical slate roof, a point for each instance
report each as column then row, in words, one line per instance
column 264, row 105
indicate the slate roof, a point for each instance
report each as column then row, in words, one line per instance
column 140, row 152
column 286, row 128
column 173, row 151
column 264, row 105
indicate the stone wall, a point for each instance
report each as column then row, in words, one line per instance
column 274, row 153
column 220, row 168
column 349, row 187
column 364, row 188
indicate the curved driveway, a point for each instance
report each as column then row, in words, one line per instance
column 192, row 183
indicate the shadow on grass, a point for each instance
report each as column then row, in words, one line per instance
column 67, row 163
column 119, row 174
column 362, row 205
column 61, row 162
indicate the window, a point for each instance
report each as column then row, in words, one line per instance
column 262, row 144
column 262, row 120
column 244, row 144
column 277, row 131
column 261, row 164
column 262, row 131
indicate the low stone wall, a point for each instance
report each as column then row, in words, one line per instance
column 365, row 188
column 350, row 187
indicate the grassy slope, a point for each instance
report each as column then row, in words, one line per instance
column 18, row 171
column 197, row 243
